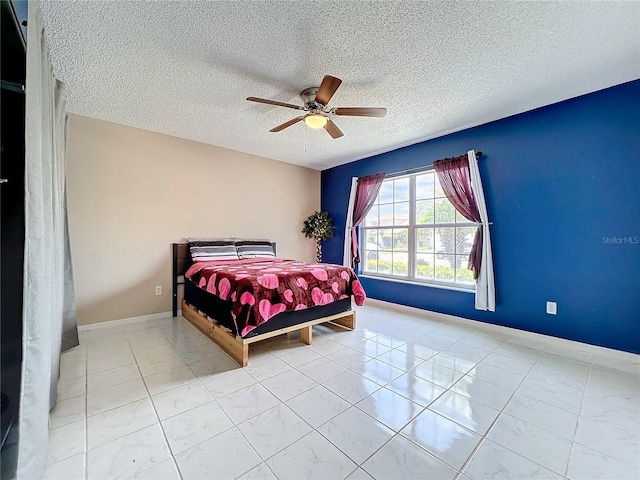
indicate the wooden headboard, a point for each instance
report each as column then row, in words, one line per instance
column 181, row 262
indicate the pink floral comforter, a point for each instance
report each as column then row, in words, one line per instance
column 261, row 288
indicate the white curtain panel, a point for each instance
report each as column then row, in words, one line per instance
column 485, row 285
column 347, row 259
column 47, row 299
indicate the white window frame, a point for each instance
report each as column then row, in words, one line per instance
column 411, row 241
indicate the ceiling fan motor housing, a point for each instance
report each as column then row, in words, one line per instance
column 308, row 96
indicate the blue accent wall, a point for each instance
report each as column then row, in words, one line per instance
column 562, row 185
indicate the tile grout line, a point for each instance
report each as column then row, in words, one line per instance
column 575, row 430
column 484, row 438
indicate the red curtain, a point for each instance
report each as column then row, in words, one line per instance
column 455, row 180
column 366, row 193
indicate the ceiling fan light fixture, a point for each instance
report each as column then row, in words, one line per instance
column 315, row 120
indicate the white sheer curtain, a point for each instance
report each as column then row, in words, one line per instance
column 48, row 303
column 347, row 259
column 485, row 284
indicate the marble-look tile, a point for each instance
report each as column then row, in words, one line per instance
column 318, row 405
column 351, row 386
column 213, row 365
column 68, row 411
column 562, row 368
column 261, row 472
column 377, row 371
column 497, row 376
column 224, row 383
column 178, row 400
column 540, row 446
column 550, row 418
column 443, row 438
column 129, row 455
column 349, row 358
column 522, row 352
column 482, row 340
column 322, row 369
column 401, row 360
column 150, row 365
column 391, row 340
column 207, row 350
column 359, row 474
column 114, row 376
column 356, row 434
column 115, row 396
column 436, row 342
column 434, row 373
column 417, row 349
column 453, row 362
column 467, row 352
column 603, row 379
column 389, row 408
column 470, row 414
column 401, row 459
column 120, row 421
column 587, row 463
column 492, row 461
column 273, row 430
column 71, row 468
column 73, row 364
column 169, row 379
column 227, row 455
column 248, row 402
column 323, row 346
column 289, row 384
column 152, row 348
column 518, row 366
column 483, row 392
column 559, row 394
column 372, row 348
column 416, row 389
column 297, row 355
column 166, row 470
column 188, row 340
column 266, row 367
column 312, row 457
column 108, row 358
column 620, row 443
column 613, row 407
column 194, row 426
column 71, row 387
column 66, row 441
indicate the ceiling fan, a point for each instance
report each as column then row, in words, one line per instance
column 315, row 101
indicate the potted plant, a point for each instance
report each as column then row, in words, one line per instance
column 320, row 227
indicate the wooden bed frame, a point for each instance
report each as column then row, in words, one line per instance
column 236, row 346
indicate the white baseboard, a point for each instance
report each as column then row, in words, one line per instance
column 126, row 321
column 571, row 345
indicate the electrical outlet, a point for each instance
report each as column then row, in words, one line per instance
column 158, row 289
column 552, row 308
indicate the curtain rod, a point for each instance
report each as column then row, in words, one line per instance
column 417, row 169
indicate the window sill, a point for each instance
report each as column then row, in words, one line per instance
column 420, row 284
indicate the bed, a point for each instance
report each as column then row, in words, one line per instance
column 240, row 302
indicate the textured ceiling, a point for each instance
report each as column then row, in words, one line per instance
column 184, row 68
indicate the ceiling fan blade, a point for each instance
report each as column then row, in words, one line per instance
column 361, row 112
column 286, row 124
column 273, row 102
column 333, row 130
column 327, row 88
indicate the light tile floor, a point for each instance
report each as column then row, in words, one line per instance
column 403, row 396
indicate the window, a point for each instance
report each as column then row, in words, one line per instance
column 413, row 233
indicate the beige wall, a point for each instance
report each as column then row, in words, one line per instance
column 131, row 193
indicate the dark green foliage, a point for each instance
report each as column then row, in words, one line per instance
column 319, row 226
